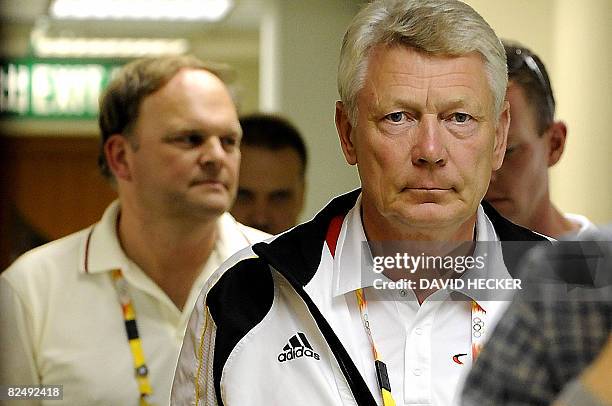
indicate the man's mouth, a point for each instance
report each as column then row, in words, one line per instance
column 208, row 182
column 432, row 189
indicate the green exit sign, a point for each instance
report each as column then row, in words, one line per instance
column 47, row 89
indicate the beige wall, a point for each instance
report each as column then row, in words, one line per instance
column 583, row 64
column 573, row 38
column 301, row 83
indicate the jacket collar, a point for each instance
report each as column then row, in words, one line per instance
column 296, row 254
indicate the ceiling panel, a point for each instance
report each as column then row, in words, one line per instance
column 19, row 17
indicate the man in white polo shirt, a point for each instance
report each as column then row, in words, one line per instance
column 299, row 320
column 102, row 312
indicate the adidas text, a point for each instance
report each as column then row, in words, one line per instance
column 295, row 353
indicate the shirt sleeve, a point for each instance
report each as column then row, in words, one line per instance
column 17, row 363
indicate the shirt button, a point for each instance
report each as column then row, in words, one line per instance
column 403, row 293
column 418, row 331
column 416, row 372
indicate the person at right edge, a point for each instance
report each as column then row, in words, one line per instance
column 296, row 321
column 519, row 190
column 554, row 343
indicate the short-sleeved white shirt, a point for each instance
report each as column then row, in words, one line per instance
column 584, row 223
column 61, row 321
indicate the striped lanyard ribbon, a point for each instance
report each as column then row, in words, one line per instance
column 477, row 336
column 129, row 316
column 477, row 333
column 381, row 369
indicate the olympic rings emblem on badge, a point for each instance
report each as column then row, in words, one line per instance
column 477, row 327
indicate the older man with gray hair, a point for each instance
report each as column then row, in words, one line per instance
column 297, row 320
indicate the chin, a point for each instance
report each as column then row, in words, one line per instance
column 212, row 206
column 434, row 216
column 429, row 215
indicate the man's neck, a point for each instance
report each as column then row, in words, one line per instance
column 548, row 220
column 172, row 255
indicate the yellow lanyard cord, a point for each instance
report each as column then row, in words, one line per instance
column 477, row 336
column 129, row 316
column 381, row 369
column 477, row 318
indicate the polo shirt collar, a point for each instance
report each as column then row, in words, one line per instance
column 101, row 251
column 231, row 237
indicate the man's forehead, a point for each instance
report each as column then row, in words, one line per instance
column 185, row 78
column 410, row 76
column 285, row 157
column 404, row 63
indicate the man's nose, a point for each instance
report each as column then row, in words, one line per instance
column 260, row 211
column 258, row 215
column 211, row 151
column 430, row 148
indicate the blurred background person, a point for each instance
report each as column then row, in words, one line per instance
column 103, row 311
column 520, row 188
column 553, row 342
column 272, row 183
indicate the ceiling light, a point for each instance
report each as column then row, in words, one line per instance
column 207, row 10
column 108, row 47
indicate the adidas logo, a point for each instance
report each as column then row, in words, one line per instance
column 297, row 347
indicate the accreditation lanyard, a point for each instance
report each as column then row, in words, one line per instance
column 381, row 368
column 477, row 335
column 129, row 317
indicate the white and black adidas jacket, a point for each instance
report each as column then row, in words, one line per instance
column 255, row 318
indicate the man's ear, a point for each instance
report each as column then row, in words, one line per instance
column 501, row 136
column 345, row 132
column 557, row 134
column 115, row 150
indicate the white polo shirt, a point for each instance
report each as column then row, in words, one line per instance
column 417, row 342
column 61, row 321
column 584, row 223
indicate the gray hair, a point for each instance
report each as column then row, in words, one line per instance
column 435, row 27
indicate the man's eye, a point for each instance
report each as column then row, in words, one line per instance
column 280, row 196
column 190, row 140
column 395, row 117
column 461, row 117
column 229, row 141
